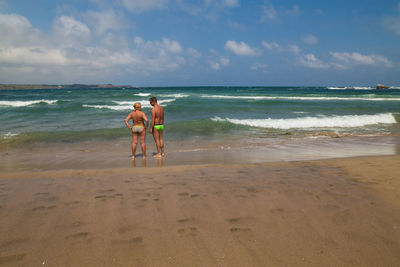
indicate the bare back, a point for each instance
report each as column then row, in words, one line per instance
column 138, row 118
column 158, row 114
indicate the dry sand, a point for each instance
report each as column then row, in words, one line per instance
column 339, row 212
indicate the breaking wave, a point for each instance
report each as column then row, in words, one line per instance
column 323, row 98
column 127, row 105
column 142, row 94
column 347, row 121
column 17, row 103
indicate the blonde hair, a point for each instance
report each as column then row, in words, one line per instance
column 137, row 105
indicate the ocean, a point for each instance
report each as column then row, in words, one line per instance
column 198, row 117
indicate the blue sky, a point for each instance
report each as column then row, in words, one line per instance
column 201, row 42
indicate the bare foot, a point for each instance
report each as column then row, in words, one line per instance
column 163, row 154
column 133, row 157
column 157, row 156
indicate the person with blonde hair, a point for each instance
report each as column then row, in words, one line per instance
column 138, row 128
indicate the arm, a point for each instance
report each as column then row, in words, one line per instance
column 127, row 121
column 153, row 116
column 146, row 121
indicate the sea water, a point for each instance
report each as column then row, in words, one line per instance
column 193, row 113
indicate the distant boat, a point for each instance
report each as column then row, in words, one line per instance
column 381, row 86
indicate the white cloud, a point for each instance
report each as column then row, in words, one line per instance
column 136, row 6
column 193, row 53
column 240, row 49
column 105, row 21
column 221, row 62
column 68, row 30
column 164, row 55
column 27, row 55
column 344, row 61
column 309, row 39
column 270, row 46
column 351, row 59
column 292, row 48
column 311, row 61
column 16, row 30
column 268, row 13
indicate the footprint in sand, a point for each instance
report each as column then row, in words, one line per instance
column 238, row 229
column 234, row 220
column 11, row 258
column 190, row 230
column 79, row 235
column 236, row 223
column 39, row 208
column 72, row 203
column 131, row 241
column 106, row 194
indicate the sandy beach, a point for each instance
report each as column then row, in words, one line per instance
column 333, row 212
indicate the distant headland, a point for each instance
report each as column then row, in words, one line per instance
column 61, row 86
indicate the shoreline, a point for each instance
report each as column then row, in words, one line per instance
column 116, row 154
column 333, row 212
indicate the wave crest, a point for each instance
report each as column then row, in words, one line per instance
column 322, row 98
column 347, row 121
column 17, row 103
column 128, row 105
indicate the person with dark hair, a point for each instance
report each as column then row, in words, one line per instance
column 157, row 126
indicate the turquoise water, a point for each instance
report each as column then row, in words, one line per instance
column 74, row 115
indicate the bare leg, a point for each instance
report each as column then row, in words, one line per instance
column 161, row 142
column 143, row 142
column 156, row 136
column 134, row 143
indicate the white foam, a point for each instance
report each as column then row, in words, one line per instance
column 127, row 105
column 337, row 88
column 9, row 135
column 17, row 103
column 142, row 94
column 108, row 107
column 362, row 88
column 175, row 95
column 323, row 98
column 347, row 121
column 350, row 87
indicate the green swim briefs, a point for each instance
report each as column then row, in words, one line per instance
column 159, row 127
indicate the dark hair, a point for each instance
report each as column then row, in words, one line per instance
column 153, row 99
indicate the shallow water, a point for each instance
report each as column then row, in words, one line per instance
column 68, row 128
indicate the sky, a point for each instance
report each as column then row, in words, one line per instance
column 200, row 42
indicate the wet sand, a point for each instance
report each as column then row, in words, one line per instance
column 334, row 212
column 102, row 154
